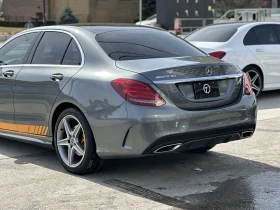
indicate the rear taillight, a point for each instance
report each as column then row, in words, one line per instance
column 247, row 86
column 137, row 92
column 218, row 54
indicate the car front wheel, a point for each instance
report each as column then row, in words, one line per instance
column 74, row 143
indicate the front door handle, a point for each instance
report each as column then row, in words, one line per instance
column 57, row 77
column 9, row 73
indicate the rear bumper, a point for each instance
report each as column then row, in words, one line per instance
column 207, row 138
column 148, row 128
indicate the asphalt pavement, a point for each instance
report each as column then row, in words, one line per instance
column 242, row 175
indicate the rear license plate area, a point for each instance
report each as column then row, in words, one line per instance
column 206, row 89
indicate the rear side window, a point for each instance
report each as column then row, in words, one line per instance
column 265, row 35
column 51, row 48
column 72, row 55
column 215, row 33
column 277, row 29
column 250, row 38
column 144, row 44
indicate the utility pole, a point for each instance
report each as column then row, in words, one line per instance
column 44, row 12
column 140, row 12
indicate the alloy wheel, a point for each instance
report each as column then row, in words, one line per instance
column 255, row 80
column 71, row 141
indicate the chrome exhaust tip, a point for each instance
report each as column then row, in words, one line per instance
column 167, row 148
column 246, row 134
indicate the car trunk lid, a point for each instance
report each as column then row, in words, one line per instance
column 190, row 83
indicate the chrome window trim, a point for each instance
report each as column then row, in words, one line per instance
column 14, row 65
column 48, row 65
column 198, row 79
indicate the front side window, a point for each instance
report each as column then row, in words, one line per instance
column 51, row 48
column 265, row 35
column 17, row 50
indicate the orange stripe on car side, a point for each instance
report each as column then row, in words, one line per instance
column 8, row 126
column 31, row 129
column 46, row 131
column 36, row 129
column 24, row 129
column 39, row 131
column 43, row 130
column 20, row 133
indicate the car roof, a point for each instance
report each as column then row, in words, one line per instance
column 243, row 24
column 96, row 29
column 105, row 29
column 251, row 24
column 235, row 23
column 238, row 24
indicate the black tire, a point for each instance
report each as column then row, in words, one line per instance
column 252, row 71
column 90, row 162
column 201, row 150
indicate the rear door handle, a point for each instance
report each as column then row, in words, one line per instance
column 9, row 73
column 57, row 77
column 260, row 50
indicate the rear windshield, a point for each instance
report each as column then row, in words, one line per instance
column 144, row 44
column 216, row 33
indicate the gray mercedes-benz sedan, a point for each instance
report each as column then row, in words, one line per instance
column 96, row 93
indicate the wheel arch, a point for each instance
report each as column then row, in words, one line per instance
column 57, row 111
column 90, row 161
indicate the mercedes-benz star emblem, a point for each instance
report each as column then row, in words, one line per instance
column 208, row 71
column 206, row 88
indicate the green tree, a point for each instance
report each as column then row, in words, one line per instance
column 67, row 17
column 149, row 8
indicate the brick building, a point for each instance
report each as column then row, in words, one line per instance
column 97, row 11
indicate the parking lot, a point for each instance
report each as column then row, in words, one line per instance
column 239, row 175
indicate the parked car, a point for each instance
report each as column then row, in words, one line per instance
column 254, row 47
column 96, row 93
column 151, row 21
